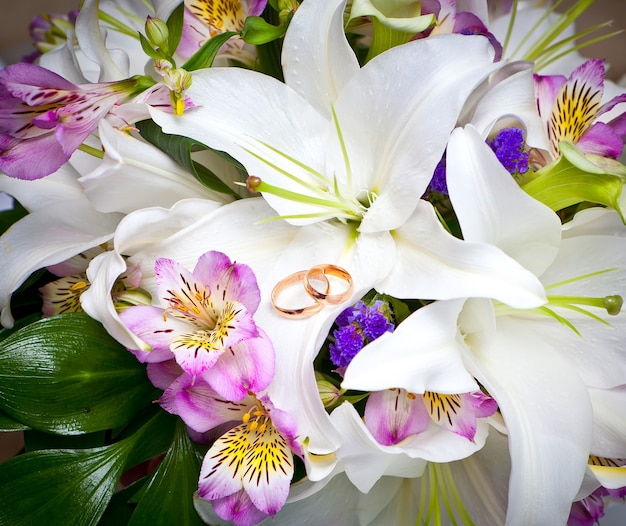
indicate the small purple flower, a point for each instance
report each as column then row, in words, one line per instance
column 356, row 327
column 438, row 182
column 508, row 146
column 348, row 342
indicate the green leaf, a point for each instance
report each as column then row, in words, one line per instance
column 58, row 487
column 180, row 148
column 120, row 508
column 175, row 28
column 148, row 49
column 19, row 324
column 257, row 31
column 8, row 424
column 575, row 179
column 168, row 497
column 67, row 375
column 37, row 440
column 204, row 57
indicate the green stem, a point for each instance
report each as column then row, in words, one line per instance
column 91, row 151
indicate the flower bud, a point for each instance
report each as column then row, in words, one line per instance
column 330, row 394
column 156, row 31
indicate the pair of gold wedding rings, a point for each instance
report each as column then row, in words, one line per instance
column 309, row 278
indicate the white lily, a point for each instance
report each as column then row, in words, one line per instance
column 135, row 174
column 537, row 369
column 361, row 171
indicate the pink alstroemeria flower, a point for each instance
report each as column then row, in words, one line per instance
column 247, row 472
column 205, row 322
column 41, row 111
column 204, row 20
column 571, row 108
column 393, row 414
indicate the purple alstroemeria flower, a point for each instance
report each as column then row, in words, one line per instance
column 204, row 20
column 393, row 414
column 571, row 107
column 247, row 472
column 42, row 112
column 449, row 20
column 205, row 322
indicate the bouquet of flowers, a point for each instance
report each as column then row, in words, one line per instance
column 317, row 262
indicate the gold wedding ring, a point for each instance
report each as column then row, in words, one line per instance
column 319, row 273
column 289, row 281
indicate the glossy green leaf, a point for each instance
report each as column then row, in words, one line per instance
column 58, row 487
column 180, row 148
column 36, row 440
column 67, row 375
column 575, row 179
column 168, row 497
column 121, row 507
column 204, row 57
column 175, row 27
column 8, row 424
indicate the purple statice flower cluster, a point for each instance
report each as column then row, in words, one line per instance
column 357, row 326
column 438, row 182
column 508, row 146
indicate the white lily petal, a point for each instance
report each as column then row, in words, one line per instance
column 135, row 175
column 597, row 354
column 335, row 501
column 492, row 208
column 392, row 154
column 65, row 61
column 92, row 43
column 430, row 263
column 549, row 422
column 511, row 97
column 30, row 244
column 483, row 480
column 422, row 354
column 587, row 254
column 595, row 221
column 32, row 195
column 102, row 273
column 609, row 430
column 610, row 477
column 317, row 60
column 364, row 460
column 265, row 111
column 237, row 229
